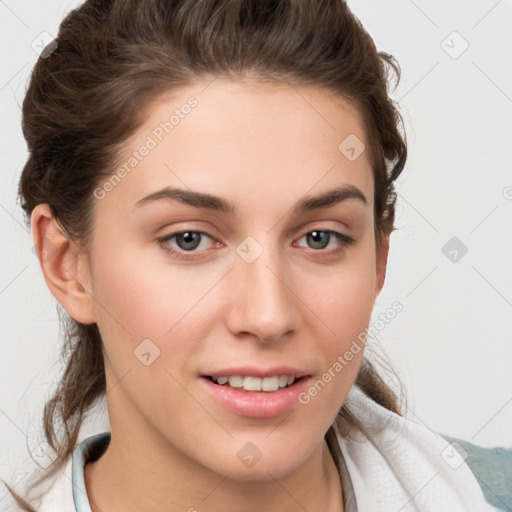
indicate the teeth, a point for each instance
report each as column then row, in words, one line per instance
column 250, row 383
column 270, row 384
column 236, row 381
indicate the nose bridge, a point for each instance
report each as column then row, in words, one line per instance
column 262, row 300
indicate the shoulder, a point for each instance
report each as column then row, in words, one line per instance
column 492, row 468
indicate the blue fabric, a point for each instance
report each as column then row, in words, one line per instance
column 492, row 468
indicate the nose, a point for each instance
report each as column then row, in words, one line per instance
column 262, row 302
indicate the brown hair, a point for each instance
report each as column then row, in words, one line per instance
column 88, row 95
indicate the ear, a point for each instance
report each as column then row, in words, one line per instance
column 382, row 256
column 65, row 268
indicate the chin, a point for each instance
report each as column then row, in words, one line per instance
column 260, row 472
column 253, row 465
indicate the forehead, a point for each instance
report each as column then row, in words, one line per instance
column 267, row 140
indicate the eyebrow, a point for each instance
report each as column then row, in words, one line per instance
column 218, row 204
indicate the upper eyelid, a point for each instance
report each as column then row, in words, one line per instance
column 303, row 232
column 300, row 230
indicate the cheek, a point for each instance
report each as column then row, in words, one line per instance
column 347, row 314
column 143, row 298
column 351, row 306
column 343, row 295
column 147, row 334
column 147, row 314
column 345, row 310
column 345, row 300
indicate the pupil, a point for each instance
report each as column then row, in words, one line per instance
column 319, row 237
column 191, row 240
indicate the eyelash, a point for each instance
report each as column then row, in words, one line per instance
column 345, row 243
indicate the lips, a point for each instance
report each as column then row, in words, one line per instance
column 256, row 392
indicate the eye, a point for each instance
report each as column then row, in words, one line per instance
column 187, row 242
column 319, row 239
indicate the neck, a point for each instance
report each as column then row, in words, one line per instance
column 130, row 479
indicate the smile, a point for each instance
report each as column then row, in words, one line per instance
column 251, row 383
column 255, row 397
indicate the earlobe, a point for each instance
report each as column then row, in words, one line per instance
column 65, row 269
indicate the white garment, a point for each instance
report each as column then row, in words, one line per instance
column 403, row 468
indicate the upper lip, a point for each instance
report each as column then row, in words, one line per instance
column 254, row 371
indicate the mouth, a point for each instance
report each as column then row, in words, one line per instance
column 256, row 397
column 253, row 384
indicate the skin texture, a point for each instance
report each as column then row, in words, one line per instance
column 262, row 147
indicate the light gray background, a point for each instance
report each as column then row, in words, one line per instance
column 452, row 342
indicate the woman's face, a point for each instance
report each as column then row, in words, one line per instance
column 260, row 286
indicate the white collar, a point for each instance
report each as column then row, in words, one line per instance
column 406, row 466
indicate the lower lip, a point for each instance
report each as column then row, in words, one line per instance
column 256, row 404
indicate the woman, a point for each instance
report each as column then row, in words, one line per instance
column 211, row 191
